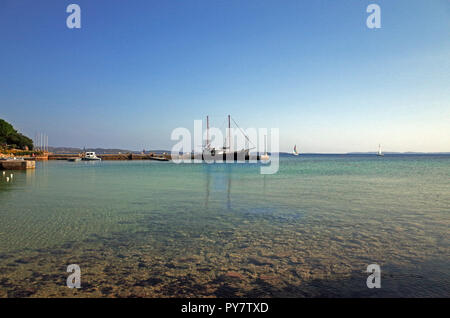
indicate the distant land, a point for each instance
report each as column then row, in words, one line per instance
column 400, row 153
column 70, row 150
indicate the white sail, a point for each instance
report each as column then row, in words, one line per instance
column 295, row 152
column 379, row 151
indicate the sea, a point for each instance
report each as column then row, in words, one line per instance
column 161, row 229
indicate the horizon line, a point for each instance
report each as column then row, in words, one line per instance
column 281, row 152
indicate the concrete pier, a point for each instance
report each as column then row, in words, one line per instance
column 123, row 156
column 17, row 164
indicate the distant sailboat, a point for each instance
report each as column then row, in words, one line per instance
column 265, row 156
column 380, row 154
column 295, row 152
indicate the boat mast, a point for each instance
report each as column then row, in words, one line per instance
column 265, row 144
column 207, row 131
column 229, row 133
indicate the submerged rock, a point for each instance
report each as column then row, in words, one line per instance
column 234, row 275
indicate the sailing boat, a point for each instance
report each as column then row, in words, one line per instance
column 295, row 152
column 380, row 154
column 265, row 156
column 226, row 151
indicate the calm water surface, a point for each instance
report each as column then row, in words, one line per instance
column 156, row 229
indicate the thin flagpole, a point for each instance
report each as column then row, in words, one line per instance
column 207, row 131
column 229, row 133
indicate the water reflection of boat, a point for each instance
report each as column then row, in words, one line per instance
column 74, row 159
column 214, row 177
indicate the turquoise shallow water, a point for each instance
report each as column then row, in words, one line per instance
column 157, row 229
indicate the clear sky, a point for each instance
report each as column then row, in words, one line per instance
column 138, row 69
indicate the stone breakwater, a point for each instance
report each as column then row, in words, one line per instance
column 127, row 156
column 17, row 164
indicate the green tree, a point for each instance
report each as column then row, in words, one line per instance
column 10, row 137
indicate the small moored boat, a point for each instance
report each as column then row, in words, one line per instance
column 265, row 157
column 159, row 158
column 91, row 156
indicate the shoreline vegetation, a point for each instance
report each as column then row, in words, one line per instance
column 10, row 138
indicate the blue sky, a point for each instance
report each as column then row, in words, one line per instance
column 138, row 69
